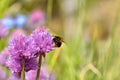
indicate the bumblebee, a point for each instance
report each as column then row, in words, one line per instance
column 58, row 41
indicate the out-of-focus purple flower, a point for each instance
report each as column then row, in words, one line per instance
column 52, row 76
column 43, row 74
column 13, row 77
column 22, row 46
column 4, row 56
column 2, row 59
column 2, row 74
column 16, row 64
column 16, row 32
column 8, row 22
column 36, row 18
column 43, row 41
column 3, row 31
column 20, row 20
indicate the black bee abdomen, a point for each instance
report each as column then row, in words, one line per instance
column 58, row 44
column 57, row 40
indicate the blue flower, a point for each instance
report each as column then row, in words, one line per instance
column 20, row 20
column 8, row 22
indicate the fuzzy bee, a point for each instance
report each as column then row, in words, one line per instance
column 58, row 41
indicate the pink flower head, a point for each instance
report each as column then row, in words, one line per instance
column 3, row 31
column 4, row 56
column 43, row 75
column 17, row 32
column 43, row 41
column 37, row 16
column 22, row 46
column 2, row 74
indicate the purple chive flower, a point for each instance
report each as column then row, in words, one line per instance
column 16, row 64
column 4, row 56
column 43, row 75
column 43, row 41
column 20, row 20
column 3, row 31
column 22, row 46
column 2, row 74
column 8, row 22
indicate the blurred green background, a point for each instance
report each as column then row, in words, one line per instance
column 90, row 29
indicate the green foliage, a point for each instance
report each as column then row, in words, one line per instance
column 78, row 59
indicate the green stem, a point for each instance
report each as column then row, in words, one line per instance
column 38, row 71
column 23, row 70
